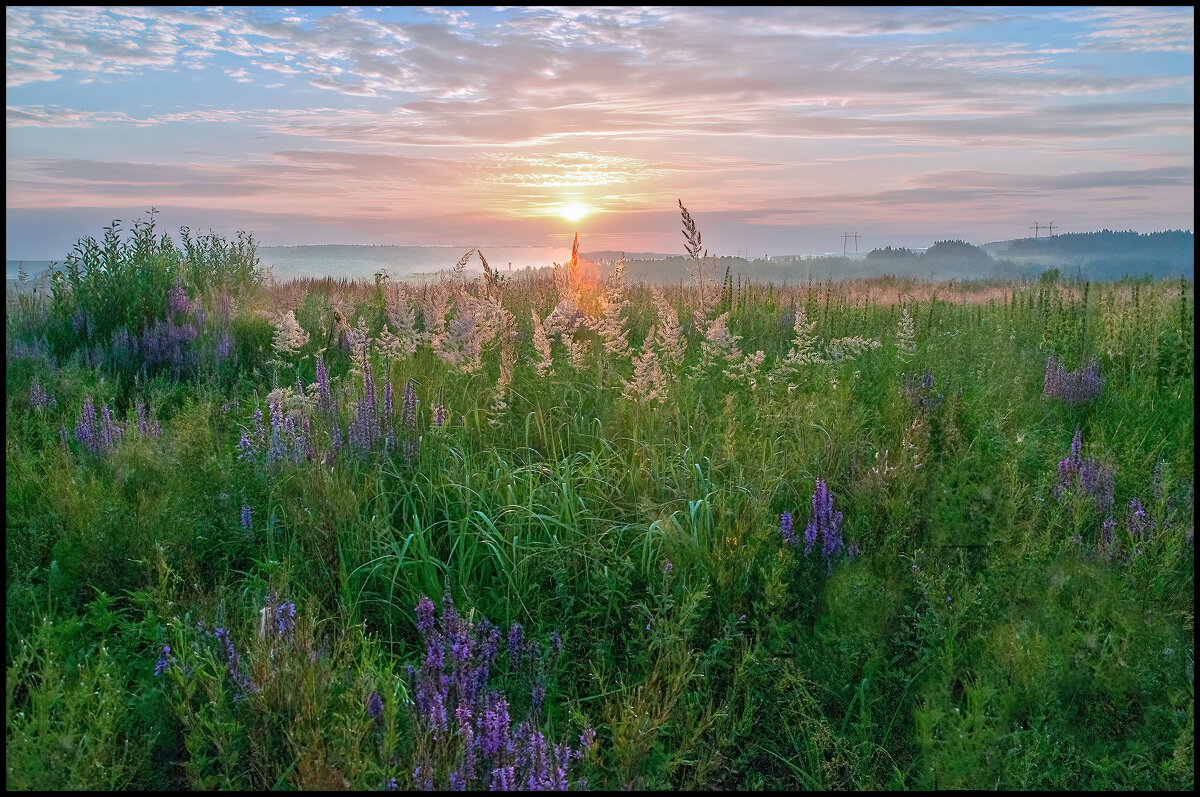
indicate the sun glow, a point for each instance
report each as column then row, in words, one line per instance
column 574, row 211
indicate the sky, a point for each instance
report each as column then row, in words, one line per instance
column 781, row 129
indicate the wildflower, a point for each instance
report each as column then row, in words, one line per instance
column 439, row 415
column 587, row 738
column 285, row 619
column 37, row 396
column 245, row 516
column 538, row 695
column 323, row 394
column 410, row 405
column 504, row 778
column 785, row 526
column 164, row 660
column 374, row 705
column 515, row 642
column 1138, row 523
column 494, row 725
column 825, row 525
column 1106, row 531
column 425, row 612
column 1073, row 387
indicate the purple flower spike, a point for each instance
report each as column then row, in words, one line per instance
column 785, row 526
column 425, row 613
column 374, row 703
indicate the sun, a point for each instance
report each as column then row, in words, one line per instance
column 574, row 211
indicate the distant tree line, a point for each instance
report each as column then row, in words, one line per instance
column 1110, row 243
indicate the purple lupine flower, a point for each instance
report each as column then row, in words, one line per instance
column 37, row 396
column 423, row 777
column 374, row 705
column 825, row 524
column 148, row 425
column 434, row 655
column 285, row 619
column 1076, row 456
column 460, row 648
column 86, row 431
column 234, row 662
column 465, row 773
column 164, row 660
column 587, row 738
column 435, row 712
column 410, row 405
column 110, row 430
column 504, row 778
column 785, row 527
column 392, row 784
column 1050, row 381
column 245, row 516
column 489, row 641
column 516, row 639
column 556, row 643
column 1097, row 482
column 439, row 415
column 538, row 695
column 463, row 715
column 245, row 453
column 1138, row 522
column 425, row 612
column 223, row 347
column 1107, row 529
column 1073, row 387
column 494, row 725
column 323, row 394
column 177, row 299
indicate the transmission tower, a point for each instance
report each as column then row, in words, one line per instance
column 846, row 236
column 1035, row 229
column 1051, row 228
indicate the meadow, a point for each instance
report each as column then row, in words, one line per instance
column 560, row 530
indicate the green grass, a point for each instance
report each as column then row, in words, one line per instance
column 986, row 636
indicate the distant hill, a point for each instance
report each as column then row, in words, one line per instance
column 1102, row 256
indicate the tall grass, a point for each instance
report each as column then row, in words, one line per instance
column 998, row 624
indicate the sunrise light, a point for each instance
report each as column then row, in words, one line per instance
column 574, row 211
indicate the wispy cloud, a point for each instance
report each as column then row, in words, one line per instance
column 414, row 113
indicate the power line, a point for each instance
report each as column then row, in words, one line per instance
column 846, row 236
